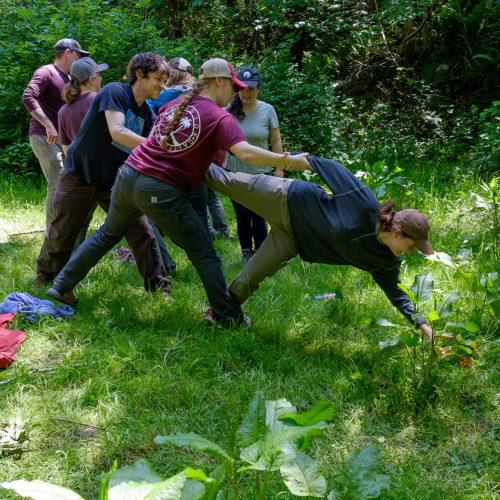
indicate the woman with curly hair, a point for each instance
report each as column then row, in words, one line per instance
column 157, row 177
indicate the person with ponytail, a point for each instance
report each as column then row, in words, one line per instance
column 78, row 95
column 345, row 227
column 160, row 173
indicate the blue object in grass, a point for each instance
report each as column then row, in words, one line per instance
column 33, row 308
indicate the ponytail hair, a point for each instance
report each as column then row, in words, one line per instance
column 385, row 214
column 236, row 107
column 72, row 90
column 181, row 107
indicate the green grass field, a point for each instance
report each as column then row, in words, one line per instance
column 129, row 365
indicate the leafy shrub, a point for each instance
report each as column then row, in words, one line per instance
column 487, row 147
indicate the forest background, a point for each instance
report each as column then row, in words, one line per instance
column 411, row 79
column 403, row 92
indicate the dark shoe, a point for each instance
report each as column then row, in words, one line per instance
column 209, row 319
column 246, row 255
column 40, row 281
column 66, row 297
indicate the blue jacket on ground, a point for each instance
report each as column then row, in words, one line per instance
column 32, row 308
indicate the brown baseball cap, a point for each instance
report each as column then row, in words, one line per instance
column 414, row 224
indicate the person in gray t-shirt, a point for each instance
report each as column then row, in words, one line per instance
column 259, row 122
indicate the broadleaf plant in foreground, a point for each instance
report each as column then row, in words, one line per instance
column 272, row 437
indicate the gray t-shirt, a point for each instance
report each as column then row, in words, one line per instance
column 256, row 126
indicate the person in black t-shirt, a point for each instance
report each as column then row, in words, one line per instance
column 118, row 120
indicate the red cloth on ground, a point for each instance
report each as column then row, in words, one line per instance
column 10, row 340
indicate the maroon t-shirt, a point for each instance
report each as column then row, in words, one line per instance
column 203, row 129
column 44, row 91
column 71, row 116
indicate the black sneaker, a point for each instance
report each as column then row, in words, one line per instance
column 67, row 297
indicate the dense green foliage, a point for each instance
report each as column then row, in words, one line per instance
column 385, row 79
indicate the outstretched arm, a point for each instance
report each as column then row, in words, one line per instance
column 261, row 157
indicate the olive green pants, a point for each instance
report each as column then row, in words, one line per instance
column 266, row 196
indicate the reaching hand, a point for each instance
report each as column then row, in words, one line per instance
column 296, row 162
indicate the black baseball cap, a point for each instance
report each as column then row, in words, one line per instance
column 69, row 43
column 250, row 76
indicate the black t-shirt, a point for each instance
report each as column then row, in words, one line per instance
column 93, row 155
column 341, row 228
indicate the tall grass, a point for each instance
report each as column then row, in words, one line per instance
column 130, row 365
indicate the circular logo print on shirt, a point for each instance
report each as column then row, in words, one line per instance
column 185, row 134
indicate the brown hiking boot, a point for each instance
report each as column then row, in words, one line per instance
column 67, row 297
column 40, row 281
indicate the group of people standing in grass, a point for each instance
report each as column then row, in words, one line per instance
column 210, row 133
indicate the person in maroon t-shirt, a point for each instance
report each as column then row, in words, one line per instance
column 78, row 95
column 160, row 172
column 42, row 99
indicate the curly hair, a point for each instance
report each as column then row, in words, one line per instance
column 72, row 90
column 146, row 62
column 181, row 107
column 385, row 214
column 236, row 107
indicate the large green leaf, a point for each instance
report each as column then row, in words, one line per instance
column 178, row 487
column 443, row 258
column 213, row 487
column 302, row 477
column 131, row 490
column 444, row 308
column 361, row 476
column 408, row 292
column 194, row 442
column 141, row 471
column 254, row 424
column 422, row 287
column 40, row 490
column 279, row 444
column 388, row 343
column 192, row 490
column 321, row 411
column 276, row 408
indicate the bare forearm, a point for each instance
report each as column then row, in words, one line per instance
column 427, row 330
column 126, row 137
column 277, row 147
column 50, row 130
column 40, row 117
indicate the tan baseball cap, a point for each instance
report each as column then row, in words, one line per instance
column 214, row 68
column 414, row 224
